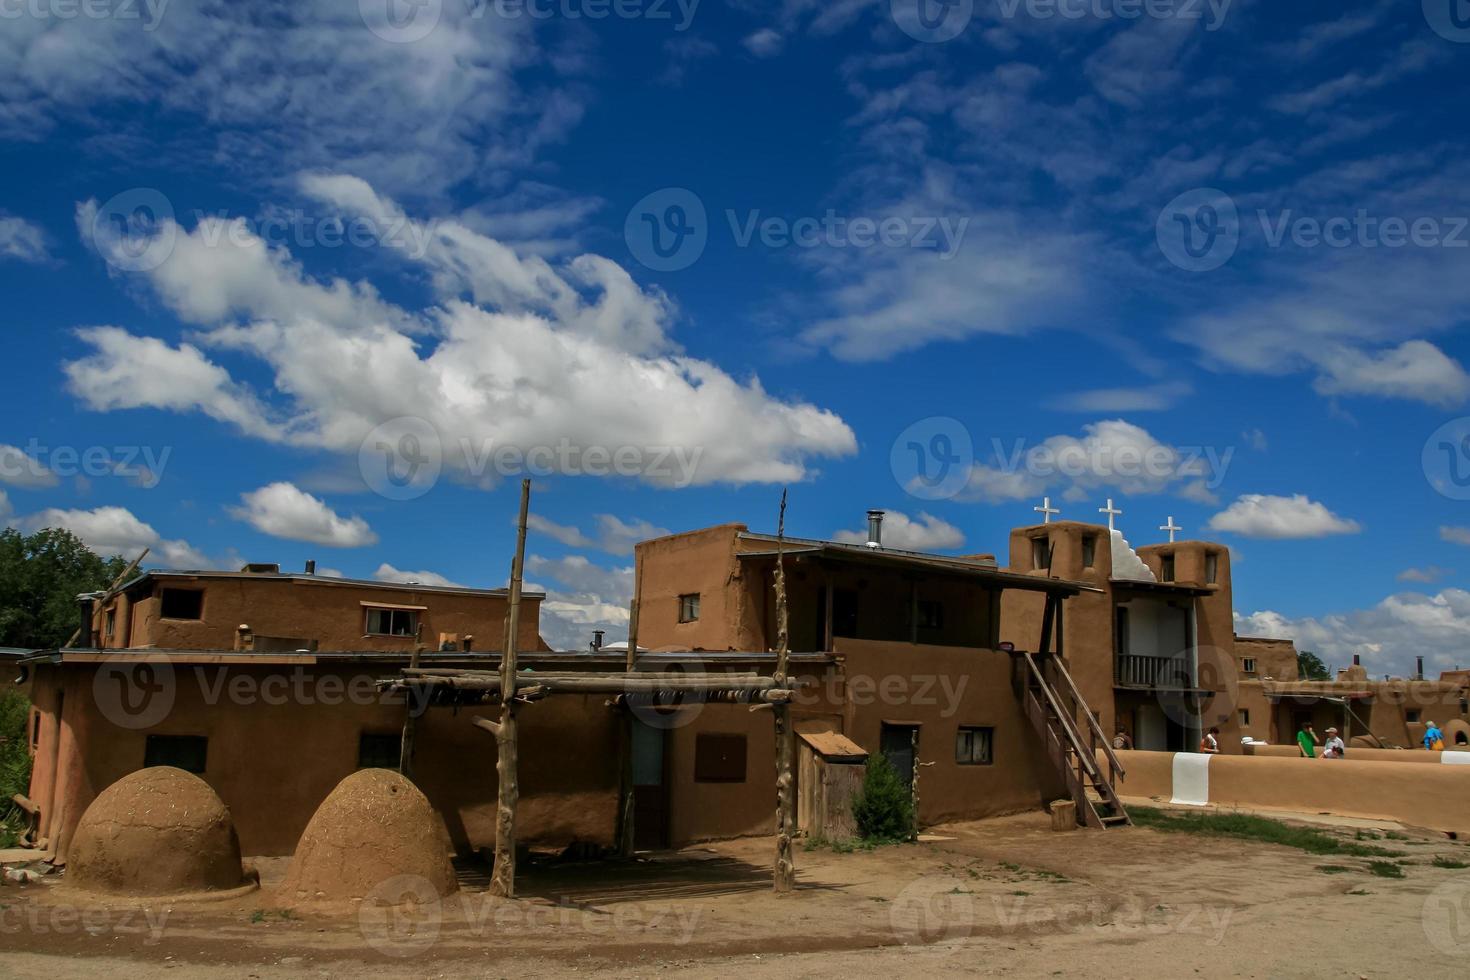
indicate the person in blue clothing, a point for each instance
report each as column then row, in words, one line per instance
column 1433, row 737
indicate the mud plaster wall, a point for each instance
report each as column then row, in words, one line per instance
column 1275, row 659
column 1422, row 796
column 274, row 763
column 332, row 614
column 700, row 562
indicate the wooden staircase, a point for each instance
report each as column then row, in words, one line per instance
column 1068, row 729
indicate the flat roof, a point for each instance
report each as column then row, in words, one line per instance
column 981, row 569
column 1164, row 588
column 434, row 658
column 315, row 579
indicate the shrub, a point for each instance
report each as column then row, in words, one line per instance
column 884, row 809
column 15, row 759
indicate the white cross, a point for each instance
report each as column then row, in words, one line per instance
column 1171, row 527
column 1112, row 512
column 1046, row 510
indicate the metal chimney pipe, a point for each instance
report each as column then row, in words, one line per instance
column 85, row 637
column 311, row 566
column 1357, row 660
column 597, row 636
column 875, row 529
column 1418, row 668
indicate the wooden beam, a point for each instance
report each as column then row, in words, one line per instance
column 405, row 742
column 784, row 874
column 112, row 590
column 503, row 877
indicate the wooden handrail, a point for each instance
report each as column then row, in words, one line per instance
column 1092, row 721
column 1068, row 725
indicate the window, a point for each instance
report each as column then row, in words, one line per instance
column 1412, row 716
column 392, row 622
column 1122, row 627
column 1089, row 550
column 1248, row 665
column 719, row 758
column 35, row 728
column 689, row 608
column 375, row 751
column 973, row 746
column 1040, row 553
column 111, row 622
column 931, row 614
column 186, row 752
column 1245, row 717
column 1212, row 569
column 181, row 603
column 1167, row 573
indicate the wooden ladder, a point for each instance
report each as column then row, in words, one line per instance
column 1054, row 705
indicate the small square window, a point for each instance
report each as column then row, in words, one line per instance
column 689, row 607
column 181, row 603
column 1212, row 569
column 1089, row 550
column 392, row 622
column 931, row 614
column 379, row 751
column 719, row 758
column 973, row 746
column 1248, row 665
column 1040, row 553
column 186, row 752
column 1412, row 716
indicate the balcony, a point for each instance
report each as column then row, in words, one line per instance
column 1158, row 673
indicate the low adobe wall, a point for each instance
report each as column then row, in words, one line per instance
column 1356, row 754
column 1424, row 796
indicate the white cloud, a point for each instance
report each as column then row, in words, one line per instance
column 613, row 535
column 1255, row 515
column 1110, row 454
column 1388, row 635
column 551, row 363
column 387, row 573
column 21, row 240
column 117, row 531
column 923, row 533
column 1255, row 439
column 591, row 597
column 1454, row 534
column 764, row 43
column 19, row 469
column 1415, row 369
column 1146, row 398
column 1429, row 574
column 283, row 510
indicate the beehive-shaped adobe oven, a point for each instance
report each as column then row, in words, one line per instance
column 375, row 826
column 158, row 831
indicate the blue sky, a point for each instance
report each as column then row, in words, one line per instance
column 1212, row 257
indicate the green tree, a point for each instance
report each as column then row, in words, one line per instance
column 884, row 808
column 41, row 576
column 1309, row 667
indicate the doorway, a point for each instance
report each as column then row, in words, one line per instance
column 650, row 786
column 899, row 744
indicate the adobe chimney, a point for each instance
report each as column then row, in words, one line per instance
column 875, row 529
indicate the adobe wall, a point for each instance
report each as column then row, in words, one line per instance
column 1359, row 754
column 1421, row 795
column 273, row 759
column 703, row 562
column 1275, row 659
column 332, row 614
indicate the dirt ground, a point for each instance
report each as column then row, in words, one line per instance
column 1004, row 897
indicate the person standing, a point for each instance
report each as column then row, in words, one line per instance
column 1307, row 741
column 1334, row 749
column 1210, row 744
column 1122, row 740
column 1433, row 737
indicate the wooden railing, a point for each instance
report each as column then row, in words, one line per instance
column 1136, row 671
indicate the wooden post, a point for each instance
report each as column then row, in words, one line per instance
column 503, row 878
column 784, row 878
column 405, row 742
column 625, row 754
column 111, row 590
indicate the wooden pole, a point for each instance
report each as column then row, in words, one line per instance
column 784, row 878
column 625, row 747
column 405, row 741
column 112, row 590
column 503, row 878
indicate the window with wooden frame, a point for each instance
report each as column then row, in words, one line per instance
column 391, row 622
column 931, row 614
column 181, row 603
column 719, row 758
column 689, row 607
column 974, row 746
column 1245, row 717
column 1248, row 665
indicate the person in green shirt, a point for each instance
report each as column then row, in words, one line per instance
column 1307, row 741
